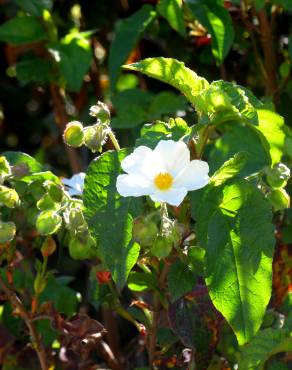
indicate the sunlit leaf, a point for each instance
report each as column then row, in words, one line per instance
column 234, row 225
column 22, row 30
column 172, row 11
column 106, row 211
column 174, row 73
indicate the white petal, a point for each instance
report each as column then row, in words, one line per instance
column 194, row 176
column 133, row 185
column 143, row 162
column 174, row 154
column 173, row 196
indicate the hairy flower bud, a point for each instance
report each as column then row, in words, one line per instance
column 100, row 111
column 73, row 134
column 278, row 175
column 5, row 169
column 8, row 197
column 95, row 137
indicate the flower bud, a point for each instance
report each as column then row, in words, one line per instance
column 8, row 196
column 39, row 284
column 278, row 175
column 5, row 169
column 161, row 247
column 100, row 111
column 7, row 231
column 80, row 249
column 144, row 231
column 75, row 221
column 73, row 134
column 49, row 246
column 279, row 199
column 48, row 222
column 95, row 137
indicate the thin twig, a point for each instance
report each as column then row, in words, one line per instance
column 156, row 314
column 35, row 337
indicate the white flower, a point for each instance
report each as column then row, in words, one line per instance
column 166, row 173
column 75, row 184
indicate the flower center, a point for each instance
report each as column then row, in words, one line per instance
column 163, row 181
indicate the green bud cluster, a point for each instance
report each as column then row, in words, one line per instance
column 95, row 136
column 277, row 178
column 81, row 244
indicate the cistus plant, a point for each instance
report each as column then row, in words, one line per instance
column 198, row 250
column 171, row 249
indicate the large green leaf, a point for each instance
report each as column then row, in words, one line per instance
column 109, row 216
column 128, row 33
column 265, row 344
column 216, row 19
column 19, row 158
column 239, row 138
column 22, row 30
column 173, row 72
column 229, row 169
column 74, row 56
column 225, row 101
column 171, row 10
column 234, row 225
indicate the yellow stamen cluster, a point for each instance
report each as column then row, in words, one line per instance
column 163, row 181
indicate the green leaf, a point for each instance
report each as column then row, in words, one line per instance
column 229, row 169
column 166, row 103
column 238, row 138
column 180, row 280
column 131, row 106
column 127, row 35
column 242, row 103
column 17, row 158
column 265, row 344
column 174, row 73
column 259, row 4
column 36, row 69
column 140, row 281
column 74, row 56
column 136, row 106
column 171, row 10
column 234, row 225
column 105, row 211
column 56, row 291
column 175, row 129
column 22, row 30
column 272, row 125
column 34, row 7
column 216, row 19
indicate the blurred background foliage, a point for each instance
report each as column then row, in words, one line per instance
column 59, row 57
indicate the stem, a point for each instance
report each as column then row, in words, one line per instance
column 35, row 337
column 269, row 55
column 156, row 314
column 114, row 140
column 201, row 143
